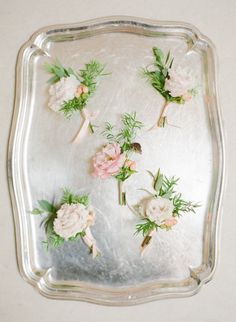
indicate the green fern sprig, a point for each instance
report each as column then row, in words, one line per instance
column 146, row 227
column 127, row 134
column 71, row 198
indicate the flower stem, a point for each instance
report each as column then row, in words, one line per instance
column 91, row 128
column 146, row 241
column 162, row 118
column 122, row 193
column 89, row 240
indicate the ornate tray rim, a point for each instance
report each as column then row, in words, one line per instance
column 84, row 291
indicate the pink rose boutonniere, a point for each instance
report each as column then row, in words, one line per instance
column 176, row 85
column 113, row 160
column 161, row 209
column 108, row 161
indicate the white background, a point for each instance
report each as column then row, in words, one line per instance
column 216, row 301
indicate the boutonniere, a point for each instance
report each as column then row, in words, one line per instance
column 176, row 85
column 161, row 209
column 70, row 91
column 114, row 159
column 68, row 221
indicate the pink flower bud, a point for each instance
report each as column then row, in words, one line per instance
column 130, row 164
column 170, row 222
column 84, row 89
column 78, row 92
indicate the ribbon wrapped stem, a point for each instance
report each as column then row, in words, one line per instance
column 122, row 193
column 146, row 241
column 162, row 118
column 90, row 241
column 86, row 125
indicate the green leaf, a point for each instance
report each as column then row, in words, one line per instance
column 78, row 236
column 167, row 57
column 168, row 195
column 70, row 71
column 151, row 174
column 165, row 72
column 36, row 211
column 171, row 63
column 158, row 54
column 158, row 182
column 145, row 190
column 47, row 206
column 124, row 173
column 53, row 79
column 45, row 245
column 156, row 178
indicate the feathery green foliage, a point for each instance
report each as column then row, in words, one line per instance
column 126, row 135
column 70, row 198
column 146, row 227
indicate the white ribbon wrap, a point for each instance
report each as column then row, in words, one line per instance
column 88, row 117
column 90, row 241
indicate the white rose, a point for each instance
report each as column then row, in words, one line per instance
column 159, row 209
column 180, row 82
column 62, row 91
column 73, row 219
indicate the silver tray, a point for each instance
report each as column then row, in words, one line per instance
column 42, row 161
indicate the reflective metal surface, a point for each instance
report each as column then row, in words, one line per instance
column 42, row 160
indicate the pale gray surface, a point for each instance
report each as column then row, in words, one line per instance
column 215, row 302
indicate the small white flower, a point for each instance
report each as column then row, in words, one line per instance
column 62, row 91
column 73, row 219
column 180, row 82
column 158, row 209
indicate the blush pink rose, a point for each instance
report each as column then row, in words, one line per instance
column 107, row 163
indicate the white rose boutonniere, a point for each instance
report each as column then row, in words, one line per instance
column 176, row 85
column 161, row 210
column 70, row 91
column 68, row 221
